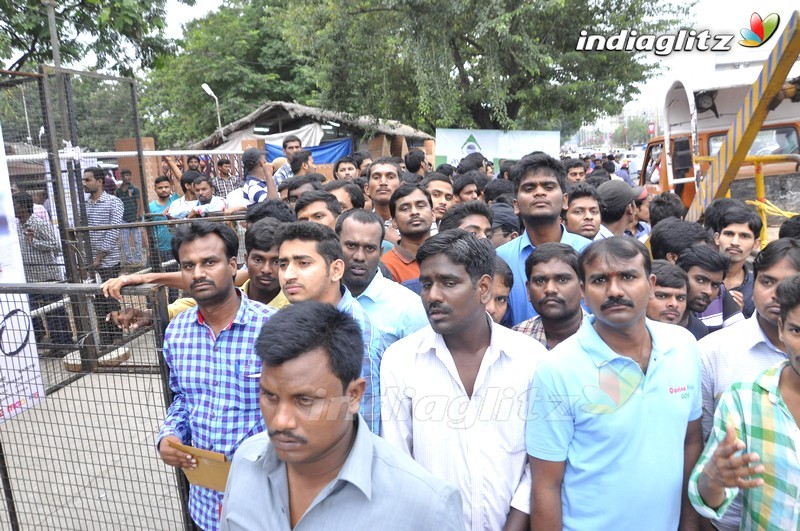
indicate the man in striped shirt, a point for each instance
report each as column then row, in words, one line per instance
column 103, row 209
column 258, row 185
column 753, row 448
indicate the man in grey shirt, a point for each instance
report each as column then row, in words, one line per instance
column 318, row 466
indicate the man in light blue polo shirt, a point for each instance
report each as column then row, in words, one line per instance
column 541, row 185
column 614, row 419
column 394, row 309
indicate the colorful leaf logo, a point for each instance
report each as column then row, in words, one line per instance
column 760, row 30
column 616, row 385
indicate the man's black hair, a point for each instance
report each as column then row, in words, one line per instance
column 197, row 229
column 97, row 173
column 535, row 163
column 405, row 190
column 362, row 216
column 298, row 159
column 580, row 190
column 505, row 169
column 502, row 270
column 666, row 205
column 188, row 178
column 738, row 215
column 192, row 157
column 609, row 167
column 481, row 179
column 714, row 211
column 414, row 160
column 297, row 182
column 496, row 188
column 473, row 161
column 223, row 161
column 446, row 169
column 290, row 138
column 261, row 235
column 204, row 179
column 573, row 163
column 705, row 257
column 790, row 228
column 435, row 176
column 461, row 247
column 456, row 214
column 617, row 248
column 356, row 194
column 360, row 156
column 271, row 208
column 327, row 241
column 776, row 251
column 161, row 179
column 461, row 181
column 675, row 236
column 668, row 275
column 384, row 160
column 597, row 177
column 343, row 160
column 788, row 295
column 328, row 198
column 330, row 330
column 546, row 252
column 24, row 201
column 125, row 172
column 408, row 177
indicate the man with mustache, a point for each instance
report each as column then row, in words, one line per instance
column 209, row 350
column 554, row 292
column 396, row 310
column 311, row 266
column 739, row 233
column 383, row 178
column 541, row 185
column 741, row 351
column 318, row 466
column 668, row 301
column 454, row 394
column 620, row 396
column 411, row 209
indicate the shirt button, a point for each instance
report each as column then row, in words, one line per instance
column 213, row 415
column 216, row 348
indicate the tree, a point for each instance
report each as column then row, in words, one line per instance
column 637, row 132
column 499, row 64
column 238, row 51
column 122, row 34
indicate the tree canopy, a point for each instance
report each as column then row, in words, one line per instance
column 122, row 34
column 239, row 52
column 498, row 64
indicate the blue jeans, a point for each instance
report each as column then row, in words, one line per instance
column 132, row 256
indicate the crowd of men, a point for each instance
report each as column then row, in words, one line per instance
column 458, row 349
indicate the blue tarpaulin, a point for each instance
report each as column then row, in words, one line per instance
column 327, row 153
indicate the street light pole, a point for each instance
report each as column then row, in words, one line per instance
column 210, row 92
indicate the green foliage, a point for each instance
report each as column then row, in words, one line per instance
column 500, row 64
column 122, row 34
column 238, row 51
column 637, row 132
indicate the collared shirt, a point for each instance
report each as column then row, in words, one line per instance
column 162, row 234
column 39, row 254
column 184, row 303
column 216, row 404
column 603, row 233
column 534, row 328
column 222, row 187
column 474, row 442
column 722, row 312
column 515, row 253
column 620, row 432
column 401, row 268
column 394, row 309
column 736, row 354
column 130, row 200
column 283, row 173
column 746, row 289
column 378, row 487
column 255, row 190
column 215, row 206
column 374, row 345
column 766, row 426
column 181, row 207
column 107, row 210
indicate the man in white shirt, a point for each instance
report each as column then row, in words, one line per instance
column 743, row 350
column 454, row 393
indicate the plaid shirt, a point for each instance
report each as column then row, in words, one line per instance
column 374, row 345
column 107, row 210
column 39, row 254
column 533, row 327
column 216, row 404
column 766, row 426
column 222, row 187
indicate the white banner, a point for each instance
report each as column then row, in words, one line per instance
column 21, row 384
column 452, row 145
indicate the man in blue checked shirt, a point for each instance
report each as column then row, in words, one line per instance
column 210, row 352
column 311, row 268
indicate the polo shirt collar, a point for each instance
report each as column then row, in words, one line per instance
column 525, row 239
column 756, row 335
column 346, row 302
column 435, row 342
column 599, row 351
column 242, row 314
column 769, row 380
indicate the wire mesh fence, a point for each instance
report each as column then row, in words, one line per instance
column 77, row 445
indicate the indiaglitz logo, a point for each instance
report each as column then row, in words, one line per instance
column 615, row 387
column 760, row 30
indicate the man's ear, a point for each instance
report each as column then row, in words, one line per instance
column 354, row 393
column 672, row 258
column 485, row 288
column 516, row 207
column 565, row 202
column 337, row 270
column 514, row 234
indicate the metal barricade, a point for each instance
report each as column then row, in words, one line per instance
column 84, row 457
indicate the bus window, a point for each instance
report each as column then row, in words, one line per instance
column 779, row 141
